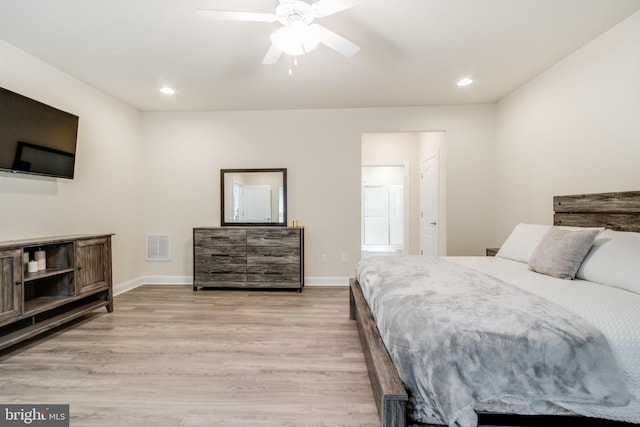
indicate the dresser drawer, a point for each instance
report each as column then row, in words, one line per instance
column 273, row 237
column 220, row 252
column 217, row 239
column 276, row 256
column 222, row 278
column 220, row 268
column 273, row 273
column 221, row 263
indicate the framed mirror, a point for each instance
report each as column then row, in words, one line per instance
column 253, row 197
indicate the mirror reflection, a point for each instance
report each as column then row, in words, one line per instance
column 253, row 196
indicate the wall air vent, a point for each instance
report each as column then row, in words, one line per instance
column 158, row 247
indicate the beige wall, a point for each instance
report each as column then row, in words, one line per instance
column 104, row 197
column 183, row 153
column 573, row 129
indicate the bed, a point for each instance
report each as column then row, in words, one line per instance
column 600, row 310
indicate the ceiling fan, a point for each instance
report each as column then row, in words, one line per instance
column 298, row 35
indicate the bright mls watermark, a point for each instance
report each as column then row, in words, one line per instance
column 34, row 415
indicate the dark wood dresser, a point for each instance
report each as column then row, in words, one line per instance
column 248, row 257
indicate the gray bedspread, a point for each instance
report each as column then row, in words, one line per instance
column 462, row 340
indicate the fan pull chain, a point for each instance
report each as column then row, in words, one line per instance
column 295, row 64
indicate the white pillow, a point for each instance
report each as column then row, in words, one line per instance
column 522, row 241
column 614, row 260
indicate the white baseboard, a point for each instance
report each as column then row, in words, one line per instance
column 326, row 281
column 188, row 280
column 121, row 288
column 152, row 280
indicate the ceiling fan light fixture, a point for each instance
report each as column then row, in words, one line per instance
column 295, row 39
column 299, row 35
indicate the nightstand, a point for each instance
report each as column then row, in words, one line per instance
column 492, row 251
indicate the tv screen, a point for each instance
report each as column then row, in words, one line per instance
column 36, row 138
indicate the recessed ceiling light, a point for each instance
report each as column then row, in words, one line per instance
column 465, row 82
column 167, row 91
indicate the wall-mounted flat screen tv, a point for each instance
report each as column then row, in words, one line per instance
column 36, row 138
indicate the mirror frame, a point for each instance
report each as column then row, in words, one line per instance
column 282, row 223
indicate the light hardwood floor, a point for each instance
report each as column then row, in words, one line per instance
column 168, row 356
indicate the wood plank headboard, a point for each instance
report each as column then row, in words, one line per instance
column 617, row 211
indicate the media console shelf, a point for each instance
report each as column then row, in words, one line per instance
column 76, row 281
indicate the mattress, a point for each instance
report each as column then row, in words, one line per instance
column 615, row 312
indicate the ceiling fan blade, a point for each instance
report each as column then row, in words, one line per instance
column 227, row 15
column 323, row 8
column 273, row 56
column 334, row 41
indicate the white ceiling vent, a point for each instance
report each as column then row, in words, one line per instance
column 158, row 247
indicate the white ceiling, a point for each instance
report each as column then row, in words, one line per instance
column 412, row 51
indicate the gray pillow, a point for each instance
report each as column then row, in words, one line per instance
column 560, row 252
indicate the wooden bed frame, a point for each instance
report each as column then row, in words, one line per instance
column 617, row 211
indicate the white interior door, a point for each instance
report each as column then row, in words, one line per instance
column 257, row 203
column 429, row 206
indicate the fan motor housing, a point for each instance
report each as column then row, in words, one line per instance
column 289, row 11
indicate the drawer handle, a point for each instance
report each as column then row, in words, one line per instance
column 225, row 255
column 220, row 237
column 274, row 273
column 273, row 255
column 221, row 272
column 272, row 237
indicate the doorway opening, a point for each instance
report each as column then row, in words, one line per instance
column 403, row 193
